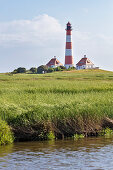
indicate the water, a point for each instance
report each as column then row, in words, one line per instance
column 83, row 154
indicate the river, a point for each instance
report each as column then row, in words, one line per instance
column 82, row 154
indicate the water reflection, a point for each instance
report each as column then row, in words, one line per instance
column 90, row 153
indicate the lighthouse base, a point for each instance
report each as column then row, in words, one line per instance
column 68, row 65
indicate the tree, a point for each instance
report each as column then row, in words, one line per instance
column 33, row 69
column 14, row 71
column 42, row 69
column 20, row 70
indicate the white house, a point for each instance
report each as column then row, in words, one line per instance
column 84, row 63
column 54, row 62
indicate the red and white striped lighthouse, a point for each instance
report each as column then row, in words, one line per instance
column 68, row 50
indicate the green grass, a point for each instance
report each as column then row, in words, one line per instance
column 6, row 136
column 65, row 103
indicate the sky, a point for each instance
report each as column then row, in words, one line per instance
column 33, row 31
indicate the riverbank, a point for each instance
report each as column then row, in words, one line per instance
column 64, row 103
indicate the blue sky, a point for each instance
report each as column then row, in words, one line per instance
column 33, row 31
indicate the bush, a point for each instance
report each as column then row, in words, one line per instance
column 41, row 69
column 50, row 70
column 62, row 67
column 6, row 135
column 33, row 69
column 20, row 70
column 71, row 68
column 58, row 69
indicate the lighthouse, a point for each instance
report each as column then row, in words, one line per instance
column 68, row 50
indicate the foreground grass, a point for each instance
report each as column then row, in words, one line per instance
column 65, row 103
column 6, row 136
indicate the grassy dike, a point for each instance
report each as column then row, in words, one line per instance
column 37, row 107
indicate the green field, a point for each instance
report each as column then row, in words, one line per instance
column 65, row 103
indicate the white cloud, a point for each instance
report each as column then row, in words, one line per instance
column 38, row 30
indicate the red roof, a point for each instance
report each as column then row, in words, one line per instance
column 84, row 61
column 54, row 62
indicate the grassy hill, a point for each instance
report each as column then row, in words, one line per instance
column 65, row 103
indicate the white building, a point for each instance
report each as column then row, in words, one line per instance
column 54, row 62
column 84, row 63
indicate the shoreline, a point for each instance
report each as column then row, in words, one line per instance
column 42, row 131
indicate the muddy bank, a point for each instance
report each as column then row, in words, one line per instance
column 61, row 129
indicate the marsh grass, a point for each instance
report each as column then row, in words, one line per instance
column 65, row 103
column 6, row 136
column 50, row 136
column 107, row 133
column 78, row 136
